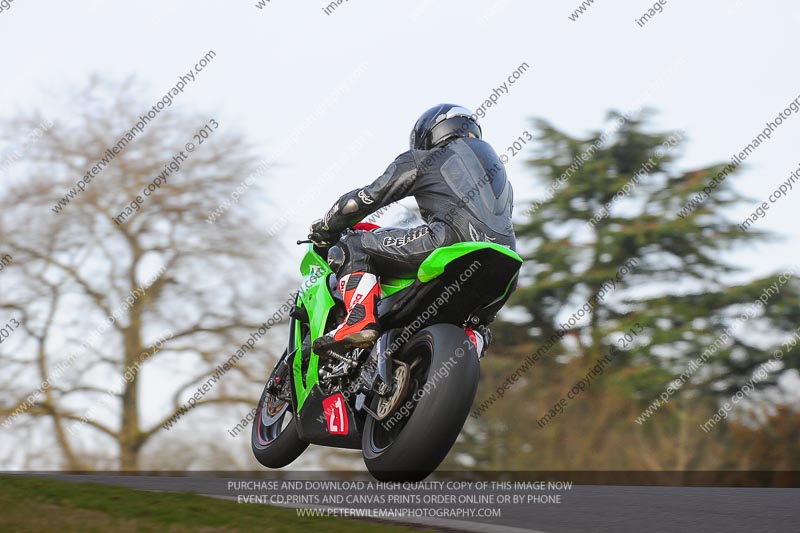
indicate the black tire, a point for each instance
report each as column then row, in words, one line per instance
column 414, row 445
column 275, row 441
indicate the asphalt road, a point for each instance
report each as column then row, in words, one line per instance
column 579, row 509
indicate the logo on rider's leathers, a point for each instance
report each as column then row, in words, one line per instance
column 477, row 236
column 411, row 235
column 335, row 414
column 365, row 198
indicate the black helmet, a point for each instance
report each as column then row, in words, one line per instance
column 443, row 122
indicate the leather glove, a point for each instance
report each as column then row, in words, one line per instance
column 320, row 234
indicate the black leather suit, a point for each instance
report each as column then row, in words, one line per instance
column 463, row 195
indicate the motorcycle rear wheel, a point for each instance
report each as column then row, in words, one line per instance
column 411, row 447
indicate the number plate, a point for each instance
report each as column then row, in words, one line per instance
column 335, row 414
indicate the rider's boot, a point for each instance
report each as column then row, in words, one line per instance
column 361, row 292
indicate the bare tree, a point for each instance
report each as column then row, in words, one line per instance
column 110, row 307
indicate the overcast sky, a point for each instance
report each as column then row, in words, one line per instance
column 718, row 70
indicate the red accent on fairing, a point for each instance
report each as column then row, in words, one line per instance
column 335, row 414
column 471, row 335
column 366, row 226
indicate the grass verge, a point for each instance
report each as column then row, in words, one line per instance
column 43, row 505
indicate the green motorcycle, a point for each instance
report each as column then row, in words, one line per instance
column 404, row 401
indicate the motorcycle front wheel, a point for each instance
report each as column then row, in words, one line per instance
column 274, row 437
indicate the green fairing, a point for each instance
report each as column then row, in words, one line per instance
column 390, row 286
column 435, row 263
column 318, row 301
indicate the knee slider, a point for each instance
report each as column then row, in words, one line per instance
column 336, row 258
column 352, row 254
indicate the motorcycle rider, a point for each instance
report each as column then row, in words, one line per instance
column 463, row 194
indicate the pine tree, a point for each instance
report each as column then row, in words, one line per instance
column 615, row 210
